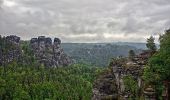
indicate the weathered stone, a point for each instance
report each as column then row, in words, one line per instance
column 13, row 38
column 33, row 40
column 105, row 88
column 119, row 70
column 41, row 38
column 48, row 53
column 131, row 67
column 150, row 93
column 48, row 41
column 12, row 51
column 57, row 41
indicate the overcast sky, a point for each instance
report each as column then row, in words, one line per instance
column 85, row 20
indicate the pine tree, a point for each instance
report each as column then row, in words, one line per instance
column 150, row 44
column 131, row 54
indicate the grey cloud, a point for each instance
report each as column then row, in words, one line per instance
column 1, row 2
column 73, row 17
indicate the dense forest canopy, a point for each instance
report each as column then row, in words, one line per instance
column 31, row 82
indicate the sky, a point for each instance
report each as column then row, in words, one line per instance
column 85, row 20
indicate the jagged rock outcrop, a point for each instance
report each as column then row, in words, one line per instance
column 9, row 49
column 104, row 87
column 121, row 67
column 133, row 67
column 49, row 53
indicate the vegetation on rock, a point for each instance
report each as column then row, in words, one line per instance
column 131, row 86
column 158, row 69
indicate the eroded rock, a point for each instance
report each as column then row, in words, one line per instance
column 49, row 53
column 9, row 49
column 104, row 87
column 120, row 68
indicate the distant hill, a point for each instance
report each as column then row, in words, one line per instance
column 98, row 54
column 137, row 45
column 134, row 44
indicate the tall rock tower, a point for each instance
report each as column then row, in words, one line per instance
column 9, row 49
column 49, row 53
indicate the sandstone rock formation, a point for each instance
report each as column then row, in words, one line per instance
column 104, row 87
column 9, row 49
column 120, row 67
column 49, row 53
column 133, row 67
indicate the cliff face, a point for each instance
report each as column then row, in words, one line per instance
column 49, row 53
column 45, row 51
column 9, row 49
column 104, row 87
column 134, row 68
column 121, row 68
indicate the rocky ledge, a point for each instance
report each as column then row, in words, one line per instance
column 105, row 87
column 110, row 85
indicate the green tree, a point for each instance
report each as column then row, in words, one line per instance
column 158, row 69
column 131, row 85
column 150, row 44
column 131, row 54
column 160, row 62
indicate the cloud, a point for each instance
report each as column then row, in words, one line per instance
column 85, row 20
column 1, row 2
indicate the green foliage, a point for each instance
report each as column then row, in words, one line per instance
column 131, row 54
column 25, row 47
column 117, row 62
column 159, row 63
column 158, row 69
column 131, row 85
column 96, row 54
column 149, row 76
column 39, row 83
column 26, row 79
column 150, row 44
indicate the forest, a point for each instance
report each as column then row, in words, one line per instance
column 98, row 54
column 84, row 50
column 30, row 82
column 25, row 78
